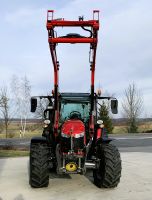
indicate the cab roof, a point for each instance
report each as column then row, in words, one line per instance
column 79, row 97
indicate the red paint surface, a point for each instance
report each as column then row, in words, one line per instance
column 99, row 133
column 73, row 127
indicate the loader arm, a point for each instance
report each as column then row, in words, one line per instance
column 53, row 40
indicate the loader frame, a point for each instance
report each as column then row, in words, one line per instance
column 54, row 40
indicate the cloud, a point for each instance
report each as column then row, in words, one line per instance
column 123, row 56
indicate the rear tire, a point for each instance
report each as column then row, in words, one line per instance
column 39, row 173
column 109, row 170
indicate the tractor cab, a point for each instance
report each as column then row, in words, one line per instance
column 74, row 106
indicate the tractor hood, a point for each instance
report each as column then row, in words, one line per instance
column 74, row 128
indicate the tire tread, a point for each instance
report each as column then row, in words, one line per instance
column 39, row 174
column 111, row 164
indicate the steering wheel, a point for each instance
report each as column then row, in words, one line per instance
column 75, row 114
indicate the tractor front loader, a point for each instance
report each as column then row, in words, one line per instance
column 74, row 139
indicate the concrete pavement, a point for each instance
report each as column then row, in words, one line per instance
column 136, row 182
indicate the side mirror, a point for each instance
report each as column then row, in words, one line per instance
column 33, row 104
column 114, row 106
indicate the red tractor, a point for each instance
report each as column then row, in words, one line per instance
column 74, row 138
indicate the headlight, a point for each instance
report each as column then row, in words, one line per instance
column 46, row 123
column 99, row 121
column 101, row 125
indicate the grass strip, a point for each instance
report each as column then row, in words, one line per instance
column 13, row 153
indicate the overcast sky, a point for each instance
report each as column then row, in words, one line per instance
column 124, row 50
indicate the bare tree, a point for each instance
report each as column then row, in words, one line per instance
column 16, row 91
column 26, row 94
column 21, row 90
column 4, row 108
column 132, row 106
column 1, row 125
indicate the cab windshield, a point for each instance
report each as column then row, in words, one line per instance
column 69, row 108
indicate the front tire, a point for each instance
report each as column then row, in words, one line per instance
column 39, row 174
column 108, row 172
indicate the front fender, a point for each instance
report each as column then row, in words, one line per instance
column 103, row 140
column 41, row 140
column 102, row 136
